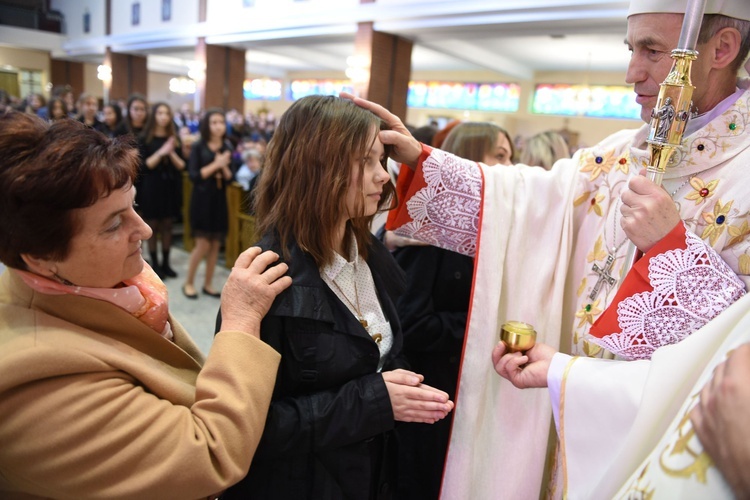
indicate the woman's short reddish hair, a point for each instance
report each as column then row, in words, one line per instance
column 47, row 171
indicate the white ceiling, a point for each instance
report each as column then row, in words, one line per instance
column 537, row 35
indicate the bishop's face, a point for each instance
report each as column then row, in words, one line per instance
column 651, row 39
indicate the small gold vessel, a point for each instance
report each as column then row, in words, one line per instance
column 517, row 336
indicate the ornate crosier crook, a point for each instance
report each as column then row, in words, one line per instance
column 673, row 107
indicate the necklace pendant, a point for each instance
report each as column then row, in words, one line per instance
column 363, row 322
column 377, row 338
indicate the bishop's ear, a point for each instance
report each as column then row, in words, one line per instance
column 725, row 45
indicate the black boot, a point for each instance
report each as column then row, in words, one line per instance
column 165, row 267
column 155, row 265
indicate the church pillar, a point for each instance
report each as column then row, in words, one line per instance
column 129, row 74
column 67, row 73
column 389, row 61
column 225, row 74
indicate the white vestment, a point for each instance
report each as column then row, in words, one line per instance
column 626, row 424
column 536, row 235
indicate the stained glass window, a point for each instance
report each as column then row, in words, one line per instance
column 302, row 88
column 262, row 89
column 467, row 96
column 600, row 101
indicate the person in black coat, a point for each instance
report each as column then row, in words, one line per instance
column 342, row 382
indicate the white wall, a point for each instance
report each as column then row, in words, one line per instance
column 73, row 10
column 184, row 12
column 231, row 11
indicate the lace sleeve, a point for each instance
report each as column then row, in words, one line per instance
column 445, row 212
column 691, row 286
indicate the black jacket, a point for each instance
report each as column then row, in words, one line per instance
column 433, row 313
column 328, row 433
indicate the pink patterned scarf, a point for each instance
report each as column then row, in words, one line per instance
column 144, row 296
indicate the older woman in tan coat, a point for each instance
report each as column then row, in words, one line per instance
column 102, row 392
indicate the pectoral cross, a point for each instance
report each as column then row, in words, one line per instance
column 604, row 276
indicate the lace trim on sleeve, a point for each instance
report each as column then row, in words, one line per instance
column 691, row 287
column 445, row 213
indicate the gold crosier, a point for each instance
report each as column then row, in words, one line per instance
column 674, row 106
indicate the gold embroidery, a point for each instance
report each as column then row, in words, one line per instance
column 596, row 164
column 738, row 233
column 637, row 490
column 590, row 349
column 744, row 264
column 563, row 386
column 595, row 204
column 587, row 313
column 583, row 286
column 598, row 253
column 582, row 198
column 687, row 461
column 716, row 221
column 701, row 191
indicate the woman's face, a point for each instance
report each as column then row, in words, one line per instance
column 35, row 102
column 163, row 116
column 370, row 185
column 501, row 153
column 57, row 110
column 217, row 124
column 89, row 107
column 107, row 249
column 137, row 113
column 110, row 118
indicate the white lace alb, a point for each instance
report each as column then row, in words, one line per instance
column 690, row 287
column 445, row 213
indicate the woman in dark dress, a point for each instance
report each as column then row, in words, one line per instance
column 341, row 386
column 112, row 119
column 160, row 183
column 210, row 168
column 136, row 117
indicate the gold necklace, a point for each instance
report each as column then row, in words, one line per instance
column 377, row 337
column 360, row 318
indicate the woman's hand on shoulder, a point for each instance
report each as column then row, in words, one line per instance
column 413, row 401
column 250, row 290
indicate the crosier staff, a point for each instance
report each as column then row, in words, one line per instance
column 673, row 107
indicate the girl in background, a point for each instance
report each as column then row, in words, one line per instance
column 160, row 195
column 88, row 106
column 136, row 116
column 56, row 109
column 112, row 119
column 210, row 169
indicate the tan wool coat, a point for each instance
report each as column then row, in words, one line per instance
column 95, row 404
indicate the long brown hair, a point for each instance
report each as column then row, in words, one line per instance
column 306, row 175
column 149, row 129
column 472, row 140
